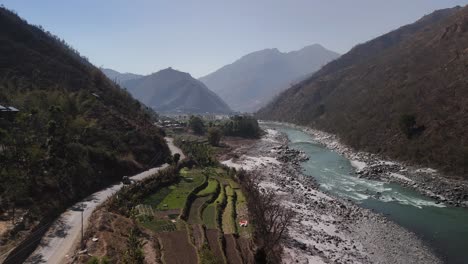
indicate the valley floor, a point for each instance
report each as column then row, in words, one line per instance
column 326, row 228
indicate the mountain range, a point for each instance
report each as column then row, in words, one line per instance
column 253, row 80
column 403, row 94
column 173, row 91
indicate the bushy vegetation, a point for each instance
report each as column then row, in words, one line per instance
column 196, row 125
column 96, row 260
column 208, row 257
column 242, row 126
column 199, row 152
column 134, row 253
column 214, row 136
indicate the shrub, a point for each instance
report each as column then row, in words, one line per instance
column 214, row 136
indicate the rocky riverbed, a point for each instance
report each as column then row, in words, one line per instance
column 326, row 229
column 426, row 181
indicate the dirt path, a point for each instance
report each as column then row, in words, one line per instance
column 64, row 235
column 198, row 235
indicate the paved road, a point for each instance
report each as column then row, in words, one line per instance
column 65, row 234
column 174, row 149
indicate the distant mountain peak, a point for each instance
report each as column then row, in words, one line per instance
column 251, row 81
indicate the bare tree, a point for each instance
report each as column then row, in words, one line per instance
column 270, row 217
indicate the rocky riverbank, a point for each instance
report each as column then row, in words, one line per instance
column 426, row 181
column 326, row 229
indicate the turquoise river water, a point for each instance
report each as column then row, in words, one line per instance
column 444, row 229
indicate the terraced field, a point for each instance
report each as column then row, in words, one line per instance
column 213, row 184
column 229, row 225
column 209, row 216
column 196, row 209
column 242, row 214
column 221, row 198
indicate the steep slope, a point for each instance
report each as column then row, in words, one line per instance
column 174, row 91
column 119, row 77
column 76, row 130
column 250, row 82
column 403, row 94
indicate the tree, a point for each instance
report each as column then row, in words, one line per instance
column 176, row 158
column 270, row 217
column 409, row 127
column 214, row 136
column 196, row 125
column 407, row 123
column 242, row 126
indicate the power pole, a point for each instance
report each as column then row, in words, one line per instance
column 82, row 229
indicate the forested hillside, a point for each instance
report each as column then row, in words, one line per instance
column 75, row 132
column 404, row 94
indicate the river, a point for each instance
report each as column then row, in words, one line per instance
column 444, row 229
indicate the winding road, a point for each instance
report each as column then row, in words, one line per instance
column 64, row 235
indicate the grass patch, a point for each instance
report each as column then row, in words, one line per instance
column 210, row 189
column 209, row 216
column 241, row 200
column 229, row 191
column 234, row 184
column 221, row 197
column 174, row 196
column 159, row 225
column 157, row 197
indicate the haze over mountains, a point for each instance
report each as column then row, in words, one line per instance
column 119, row 77
column 404, row 94
column 253, row 80
column 172, row 91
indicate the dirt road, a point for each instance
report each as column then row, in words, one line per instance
column 65, row 234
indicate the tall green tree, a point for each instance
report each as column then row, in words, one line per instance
column 196, row 125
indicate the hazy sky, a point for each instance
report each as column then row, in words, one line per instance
column 199, row 36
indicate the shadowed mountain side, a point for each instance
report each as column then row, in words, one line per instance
column 403, row 94
column 174, row 91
